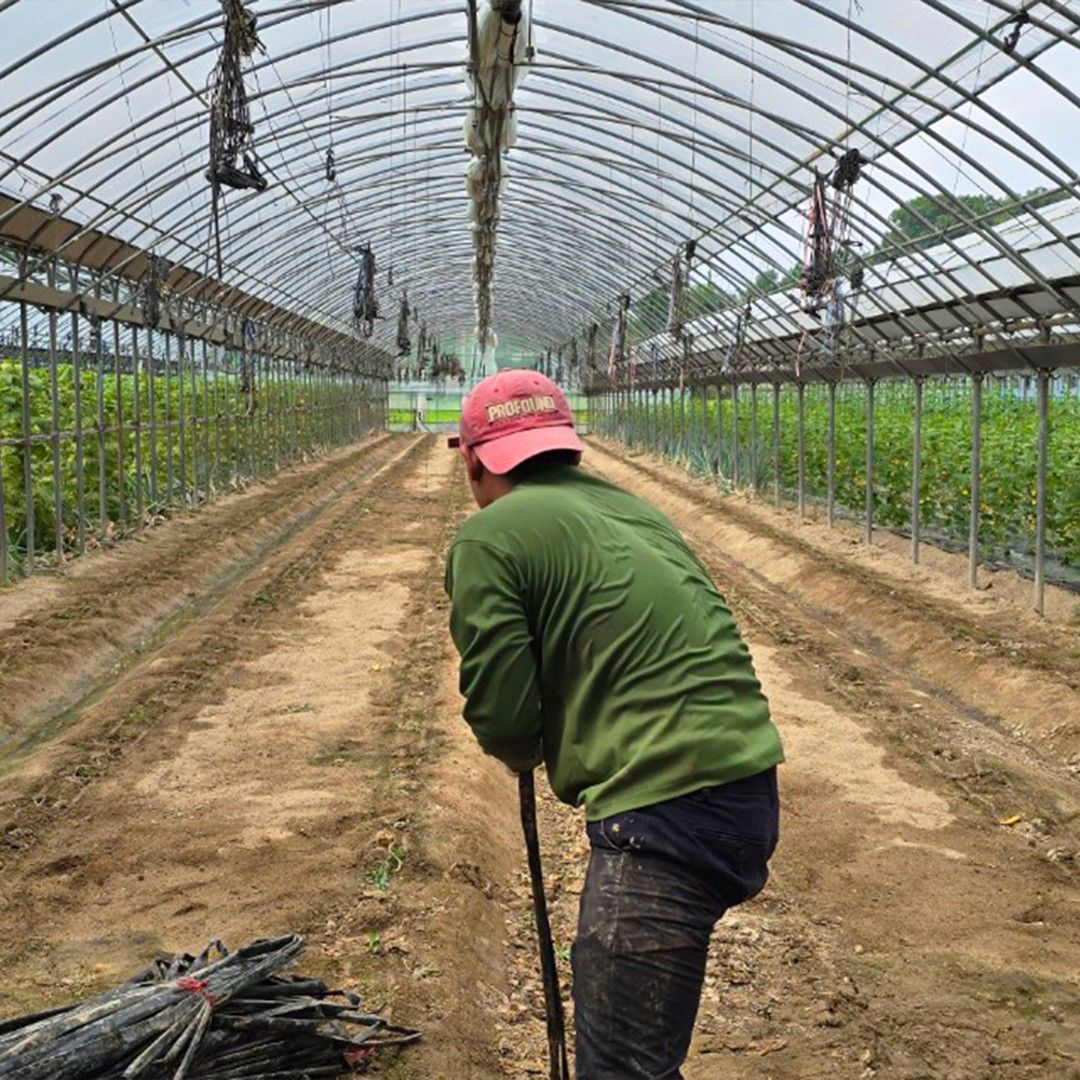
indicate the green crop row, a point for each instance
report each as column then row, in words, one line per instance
column 692, row 431
column 115, row 449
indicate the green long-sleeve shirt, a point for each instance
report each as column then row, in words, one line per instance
column 591, row 638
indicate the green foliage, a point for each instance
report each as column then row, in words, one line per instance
column 1009, row 441
column 648, row 315
column 706, row 297
column 948, row 214
column 134, row 447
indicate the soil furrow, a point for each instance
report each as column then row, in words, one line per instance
column 61, row 637
column 292, row 758
column 176, row 677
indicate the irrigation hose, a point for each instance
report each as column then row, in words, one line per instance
column 556, row 1023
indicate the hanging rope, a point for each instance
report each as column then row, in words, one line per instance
column 331, row 165
column 234, row 162
column 157, row 270
column 1021, row 20
column 680, row 273
column 830, row 265
column 817, row 265
column 365, row 302
column 618, row 335
column 404, row 343
column 590, row 348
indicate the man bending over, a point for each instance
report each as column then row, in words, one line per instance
column 593, row 640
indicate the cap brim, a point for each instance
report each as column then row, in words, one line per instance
column 501, row 455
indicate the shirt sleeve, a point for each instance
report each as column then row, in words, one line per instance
column 498, row 666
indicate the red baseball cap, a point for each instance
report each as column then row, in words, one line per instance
column 513, row 416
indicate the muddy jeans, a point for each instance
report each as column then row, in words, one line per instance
column 659, row 878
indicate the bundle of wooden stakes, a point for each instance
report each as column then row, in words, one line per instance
column 217, row 1016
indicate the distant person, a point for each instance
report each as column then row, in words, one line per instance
column 593, row 640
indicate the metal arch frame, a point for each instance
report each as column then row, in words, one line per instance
column 866, row 91
column 395, row 129
column 677, row 185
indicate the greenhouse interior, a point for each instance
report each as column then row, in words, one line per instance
column 764, row 314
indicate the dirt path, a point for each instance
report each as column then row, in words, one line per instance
column 277, row 746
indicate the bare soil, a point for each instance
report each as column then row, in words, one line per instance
column 247, row 724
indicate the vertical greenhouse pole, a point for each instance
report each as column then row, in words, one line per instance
column 830, row 495
column 3, row 527
column 279, row 417
column 776, row 442
column 136, row 423
column 118, row 378
column 1043, row 401
column 183, row 408
column 707, row 427
column 251, row 362
column 976, row 461
column 270, row 411
column 195, row 413
column 168, row 420
column 684, row 443
column 293, row 369
column 80, row 476
column 54, row 401
column 719, row 435
column 754, row 463
column 282, row 399
column 151, row 405
column 735, row 435
column 672, row 447
column 103, row 495
column 869, row 460
column 258, row 414
column 236, row 462
column 916, row 471
column 208, row 460
column 28, row 438
column 800, row 391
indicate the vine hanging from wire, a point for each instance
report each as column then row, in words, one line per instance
column 365, row 301
column 680, row 273
column 829, row 264
column 618, row 335
column 234, row 162
column 404, row 342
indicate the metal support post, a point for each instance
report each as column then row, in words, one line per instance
column 776, row 442
column 118, row 377
column 830, row 494
column 735, row 472
column 28, row 441
column 1043, row 394
column 800, row 391
column 754, row 463
column 136, row 426
column 80, row 465
column 54, row 401
column 916, row 471
column 976, row 460
column 869, row 461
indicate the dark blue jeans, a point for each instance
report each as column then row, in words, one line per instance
column 659, row 878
